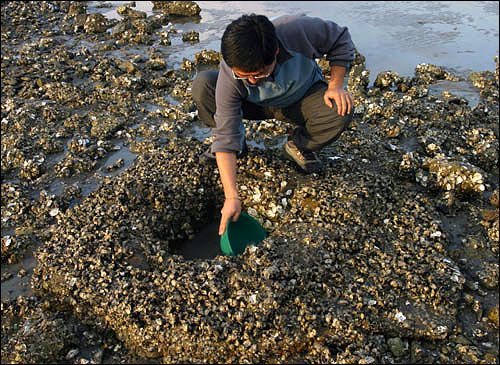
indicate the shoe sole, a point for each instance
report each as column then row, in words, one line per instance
column 316, row 167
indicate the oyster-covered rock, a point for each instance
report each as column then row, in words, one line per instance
column 192, row 36
column 177, row 8
column 95, row 23
column 207, row 57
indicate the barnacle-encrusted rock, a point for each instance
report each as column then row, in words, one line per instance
column 387, row 79
column 95, row 23
column 126, row 11
column 156, row 63
column 207, row 57
column 427, row 73
column 76, row 8
column 494, row 198
column 311, row 279
column 177, row 8
column 187, row 65
column 453, row 175
column 493, row 315
column 34, row 336
column 192, row 36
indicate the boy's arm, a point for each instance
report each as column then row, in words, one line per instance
column 336, row 92
column 226, row 163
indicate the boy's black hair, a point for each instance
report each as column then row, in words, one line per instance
column 249, row 43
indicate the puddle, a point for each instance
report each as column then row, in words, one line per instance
column 462, row 89
column 409, row 144
column 128, row 52
column 198, row 131
column 201, row 133
column 55, row 158
column 87, row 182
column 171, row 100
column 124, row 154
column 16, row 285
column 458, row 35
column 87, row 186
column 109, row 8
column 205, row 245
column 151, row 108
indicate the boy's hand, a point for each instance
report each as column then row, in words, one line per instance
column 342, row 99
column 231, row 208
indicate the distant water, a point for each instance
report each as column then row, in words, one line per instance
column 393, row 35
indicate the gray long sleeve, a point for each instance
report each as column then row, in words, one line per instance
column 303, row 39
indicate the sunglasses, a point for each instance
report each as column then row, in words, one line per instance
column 257, row 77
column 246, row 78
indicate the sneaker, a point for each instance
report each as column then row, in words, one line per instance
column 208, row 157
column 308, row 161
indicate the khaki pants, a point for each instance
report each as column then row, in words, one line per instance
column 317, row 124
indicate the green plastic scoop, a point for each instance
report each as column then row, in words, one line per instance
column 238, row 235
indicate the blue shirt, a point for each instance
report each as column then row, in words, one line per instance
column 287, row 84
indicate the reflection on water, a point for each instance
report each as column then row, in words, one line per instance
column 124, row 154
column 111, row 13
column 18, row 285
column 462, row 89
column 86, row 182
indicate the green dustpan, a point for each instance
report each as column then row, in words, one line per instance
column 238, row 235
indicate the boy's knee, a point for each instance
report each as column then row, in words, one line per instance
column 202, row 83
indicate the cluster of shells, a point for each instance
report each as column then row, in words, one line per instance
column 390, row 254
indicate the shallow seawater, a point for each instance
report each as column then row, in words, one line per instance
column 17, row 284
column 461, row 36
column 123, row 153
column 463, row 89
